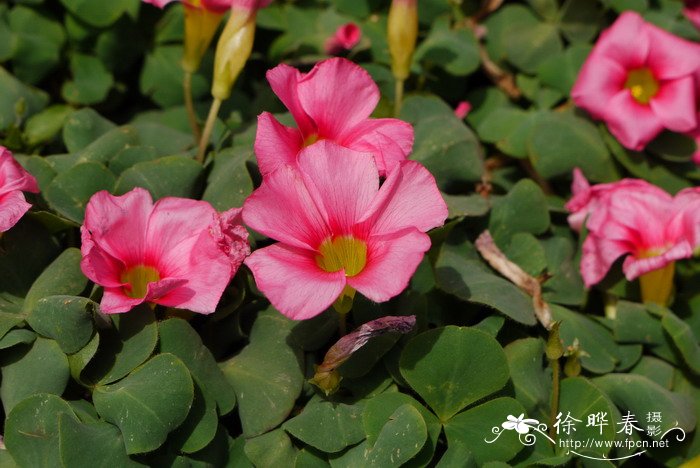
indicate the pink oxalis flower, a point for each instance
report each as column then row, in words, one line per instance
column 331, row 102
column 338, row 230
column 692, row 12
column 345, row 38
column 640, row 79
column 13, row 180
column 634, row 218
column 177, row 252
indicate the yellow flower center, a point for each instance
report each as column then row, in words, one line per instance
column 342, row 253
column 137, row 279
column 642, row 85
column 311, row 139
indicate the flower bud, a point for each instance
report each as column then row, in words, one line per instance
column 402, row 34
column 232, row 51
column 200, row 27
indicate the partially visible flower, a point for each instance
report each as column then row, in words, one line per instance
column 520, row 424
column 218, row 6
column 586, row 199
column 462, row 109
column 646, row 224
column 640, row 79
column 345, row 38
column 14, row 179
column 402, row 33
column 338, row 230
column 692, row 12
column 177, row 252
column 331, row 102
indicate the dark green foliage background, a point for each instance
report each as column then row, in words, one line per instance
column 91, row 99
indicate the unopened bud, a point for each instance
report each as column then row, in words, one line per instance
column 402, row 32
column 232, row 51
column 200, row 27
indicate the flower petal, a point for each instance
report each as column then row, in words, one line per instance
column 118, row 224
column 626, row 42
column 389, row 140
column 343, row 180
column 291, row 280
column 283, row 209
column 114, row 301
column 12, row 207
column 598, row 256
column 275, row 144
column 408, row 198
column 671, row 57
column 391, row 261
column 338, row 95
column 635, row 267
column 13, row 176
column 674, row 104
column 633, row 124
column 599, row 80
column 284, row 81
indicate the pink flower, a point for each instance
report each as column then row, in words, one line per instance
column 640, row 79
column 634, row 218
column 462, row 109
column 692, row 12
column 338, row 230
column 345, row 38
column 13, row 180
column 331, row 102
column 177, row 252
column 586, row 199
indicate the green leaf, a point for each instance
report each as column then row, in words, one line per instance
column 639, row 395
column 179, row 338
column 161, row 77
column 62, row 277
column 44, row 126
column 148, row 403
column 561, row 70
column 41, row 368
column 66, row 319
column 532, row 384
column 560, row 141
column 401, row 438
column 15, row 337
column 79, row 360
column 99, row 15
column 684, row 340
column 507, row 213
column 443, row 143
column 271, row 449
column 473, row 428
column 124, row 347
column 656, row 370
column 15, row 95
column 466, row 206
column 379, row 410
column 633, row 324
column 91, row 80
column 229, row 182
column 525, row 250
column 268, row 369
column 172, row 176
column 452, row 367
column 470, row 281
column 327, row 426
column 166, row 140
column 83, row 127
column 580, row 20
column 455, row 50
column 32, row 430
column 105, row 442
column 200, row 426
column 509, row 129
column 71, row 190
column 39, row 41
column 593, row 338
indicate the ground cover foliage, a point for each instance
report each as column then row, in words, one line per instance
column 91, row 99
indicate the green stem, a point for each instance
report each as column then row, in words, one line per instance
column 189, row 106
column 398, row 97
column 208, row 128
column 555, row 397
